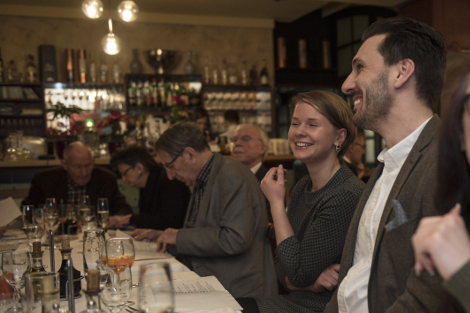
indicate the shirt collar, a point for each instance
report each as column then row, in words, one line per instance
column 72, row 183
column 396, row 156
column 203, row 176
column 255, row 168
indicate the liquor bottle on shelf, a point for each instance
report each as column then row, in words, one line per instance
column 253, row 76
column 244, row 74
column 103, row 69
column 155, row 93
column 92, row 74
column 139, row 94
column 92, row 292
column 147, row 94
column 31, row 70
column 224, row 72
column 82, row 65
column 189, row 68
column 70, row 226
column 264, row 77
column 169, row 95
column 207, row 74
column 12, row 72
column 69, row 65
column 215, row 73
column 162, row 92
column 2, row 78
column 233, row 77
column 63, row 271
column 132, row 92
column 36, row 255
column 116, row 71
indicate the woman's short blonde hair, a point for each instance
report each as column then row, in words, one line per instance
column 334, row 108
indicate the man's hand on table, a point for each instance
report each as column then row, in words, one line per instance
column 166, row 239
column 119, row 221
column 328, row 279
column 3, row 229
column 141, row 234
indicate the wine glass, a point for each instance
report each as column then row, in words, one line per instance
column 84, row 206
column 6, row 291
column 28, row 213
column 39, row 216
column 93, row 243
column 120, row 252
column 103, row 211
column 155, row 288
column 117, row 291
column 51, row 219
column 14, row 265
column 50, row 203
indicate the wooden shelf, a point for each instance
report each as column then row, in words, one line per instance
column 21, row 100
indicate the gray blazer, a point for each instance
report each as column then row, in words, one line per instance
column 393, row 284
column 229, row 238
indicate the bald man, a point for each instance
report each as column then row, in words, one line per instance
column 77, row 177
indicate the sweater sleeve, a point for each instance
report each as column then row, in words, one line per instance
column 458, row 286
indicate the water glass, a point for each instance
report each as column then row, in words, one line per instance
column 93, row 247
column 14, row 265
column 117, row 291
column 155, row 288
column 89, row 222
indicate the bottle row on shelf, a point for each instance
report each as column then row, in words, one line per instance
column 237, row 100
column 32, row 126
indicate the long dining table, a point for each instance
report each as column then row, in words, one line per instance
column 15, row 239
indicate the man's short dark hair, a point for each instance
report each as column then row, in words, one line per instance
column 410, row 39
column 232, row 116
column 132, row 155
column 181, row 135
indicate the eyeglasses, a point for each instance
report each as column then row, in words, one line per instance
column 168, row 165
column 129, row 168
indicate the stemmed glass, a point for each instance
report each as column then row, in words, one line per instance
column 116, row 292
column 28, row 213
column 14, row 266
column 93, row 246
column 6, row 291
column 31, row 228
column 85, row 206
column 103, row 211
column 155, row 288
column 120, row 252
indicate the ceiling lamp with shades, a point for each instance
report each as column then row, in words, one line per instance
column 127, row 9
column 92, row 8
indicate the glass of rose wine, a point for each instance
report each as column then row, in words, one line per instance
column 120, row 252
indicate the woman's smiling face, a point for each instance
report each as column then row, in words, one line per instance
column 311, row 136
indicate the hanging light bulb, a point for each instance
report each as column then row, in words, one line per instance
column 128, row 11
column 111, row 43
column 92, row 8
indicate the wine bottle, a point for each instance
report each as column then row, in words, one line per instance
column 147, row 94
column 70, row 67
column 82, row 65
column 264, row 77
column 66, row 255
column 2, row 79
column 155, row 93
column 224, row 73
column 31, row 70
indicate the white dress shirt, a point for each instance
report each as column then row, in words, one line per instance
column 255, row 168
column 352, row 293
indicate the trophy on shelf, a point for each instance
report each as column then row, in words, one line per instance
column 163, row 60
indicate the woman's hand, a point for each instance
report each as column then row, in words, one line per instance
column 328, row 279
column 118, row 221
column 274, row 185
column 442, row 242
column 141, row 234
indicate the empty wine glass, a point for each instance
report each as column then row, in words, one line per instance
column 28, row 213
column 117, row 291
column 155, row 288
column 14, row 265
column 120, row 252
column 103, row 211
column 39, row 216
column 51, row 219
column 93, row 243
column 50, row 203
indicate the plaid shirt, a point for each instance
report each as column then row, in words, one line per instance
column 198, row 192
column 74, row 191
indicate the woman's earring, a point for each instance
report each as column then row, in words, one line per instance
column 338, row 148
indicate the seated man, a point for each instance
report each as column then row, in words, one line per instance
column 353, row 155
column 225, row 228
column 250, row 146
column 76, row 178
column 162, row 202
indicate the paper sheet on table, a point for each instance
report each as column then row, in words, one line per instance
column 144, row 250
column 9, row 211
column 203, row 293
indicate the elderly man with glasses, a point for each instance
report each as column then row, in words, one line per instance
column 76, row 178
column 225, row 227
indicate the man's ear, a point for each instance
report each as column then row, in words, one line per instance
column 191, row 154
column 139, row 167
column 405, row 70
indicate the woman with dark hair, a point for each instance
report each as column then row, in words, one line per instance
column 442, row 242
column 162, row 202
column 310, row 235
column 201, row 117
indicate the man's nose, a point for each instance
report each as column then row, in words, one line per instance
column 349, row 84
